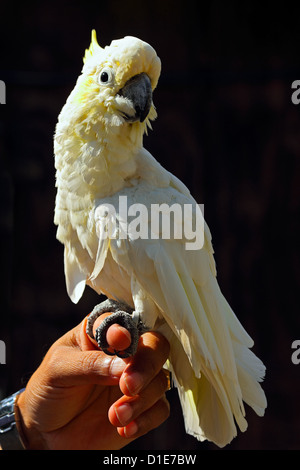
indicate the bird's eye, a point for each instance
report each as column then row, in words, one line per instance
column 106, row 76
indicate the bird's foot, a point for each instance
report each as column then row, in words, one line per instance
column 123, row 315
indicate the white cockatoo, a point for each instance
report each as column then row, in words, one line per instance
column 166, row 280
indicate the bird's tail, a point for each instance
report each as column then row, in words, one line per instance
column 211, row 360
column 212, row 405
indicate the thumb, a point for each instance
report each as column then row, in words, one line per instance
column 74, row 360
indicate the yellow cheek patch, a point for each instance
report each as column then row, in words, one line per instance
column 86, row 88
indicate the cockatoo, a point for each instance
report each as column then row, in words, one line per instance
column 172, row 288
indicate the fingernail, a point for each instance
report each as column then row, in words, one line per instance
column 124, row 413
column 131, row 429
column 115, row 364
column 134, row 383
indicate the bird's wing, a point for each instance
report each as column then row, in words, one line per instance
column 182, row 284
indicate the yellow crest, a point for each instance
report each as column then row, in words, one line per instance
column 94, row 47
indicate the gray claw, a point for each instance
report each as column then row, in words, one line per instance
column 124, row 316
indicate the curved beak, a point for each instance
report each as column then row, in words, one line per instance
column 139, row 91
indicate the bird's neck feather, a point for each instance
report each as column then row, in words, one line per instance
column 95, row 157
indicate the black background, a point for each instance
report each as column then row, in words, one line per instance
column 227, row 127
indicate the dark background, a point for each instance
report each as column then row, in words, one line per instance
column 227, row 127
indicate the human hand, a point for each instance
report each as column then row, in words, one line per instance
column 80, row 398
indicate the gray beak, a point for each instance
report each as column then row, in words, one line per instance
column 139, row 91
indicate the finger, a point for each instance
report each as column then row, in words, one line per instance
column 149, row 420
column 152, row 353
column 117, row 336
column 126, row 409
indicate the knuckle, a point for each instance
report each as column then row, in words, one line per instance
column 164, row 383
column 161, row 344
column 89, row 361
column 54, row 356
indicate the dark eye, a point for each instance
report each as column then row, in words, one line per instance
column 106, row 76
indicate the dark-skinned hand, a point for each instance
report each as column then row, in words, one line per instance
column 81, row 398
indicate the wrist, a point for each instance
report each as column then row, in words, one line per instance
column 31, row 436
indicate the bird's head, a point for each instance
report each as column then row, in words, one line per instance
column 117, row 82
